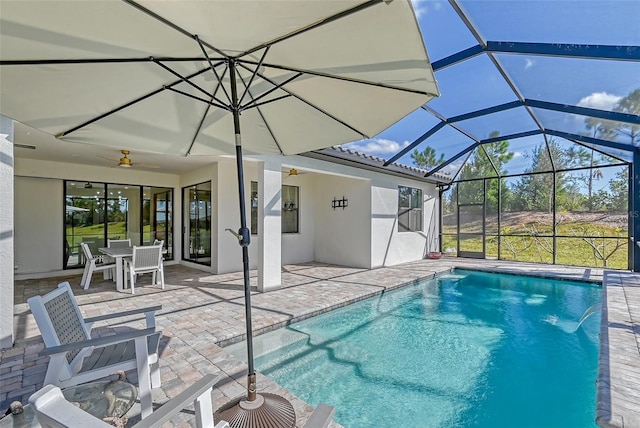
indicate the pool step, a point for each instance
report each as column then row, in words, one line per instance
column 268, row 342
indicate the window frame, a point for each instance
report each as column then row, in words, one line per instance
column 290, row 208
column 414, row 211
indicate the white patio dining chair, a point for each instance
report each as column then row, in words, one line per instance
column 94, row 264
column 75, row 357
column 146, row 259
column 118, row 243
column 53, row 411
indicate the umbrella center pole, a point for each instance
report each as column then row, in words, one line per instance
column 245, row 235
column 244, row 240
column 251, row 387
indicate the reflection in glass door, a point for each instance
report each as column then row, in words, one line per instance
column 159, row 217
column 84, row 221
column 121, row 199
column 197, row 230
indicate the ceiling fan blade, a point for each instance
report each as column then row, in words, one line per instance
column 116, row 162
column 106, row 158
column 146, row 165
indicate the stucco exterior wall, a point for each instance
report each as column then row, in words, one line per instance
column 342, row 236
column 299, row 247
column 384, row 245
column 7, row 234
column 388, row 246
column 229, row 251
column 39, row 245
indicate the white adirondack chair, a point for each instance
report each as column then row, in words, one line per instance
column 94, row 264
column 76, row 357
column 53, row 411
column 147, row 259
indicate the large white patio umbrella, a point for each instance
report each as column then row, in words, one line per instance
column 183, row 77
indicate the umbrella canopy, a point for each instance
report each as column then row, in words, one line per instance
column 183, row 77
column 138, row 75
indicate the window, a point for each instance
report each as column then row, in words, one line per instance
column 290, row 204
column 290, row 195
column 409, row 209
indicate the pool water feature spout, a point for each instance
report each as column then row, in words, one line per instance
column 590, row 311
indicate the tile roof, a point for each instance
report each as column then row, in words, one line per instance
column 378, row 163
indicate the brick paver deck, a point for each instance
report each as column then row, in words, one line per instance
column 202, row 312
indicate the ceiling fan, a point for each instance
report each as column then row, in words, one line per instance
column 126, row 162
column 293, row 172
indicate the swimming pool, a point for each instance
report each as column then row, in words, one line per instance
column 467, row 349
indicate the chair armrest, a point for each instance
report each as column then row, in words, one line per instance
column 179, row 402
column 123, row 314
column 49, row 403
column 98, row 341
column 321, row 416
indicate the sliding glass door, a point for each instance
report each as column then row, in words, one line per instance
column 197, row 229
column 84, row 220
column 157, row 217
column 96, row 212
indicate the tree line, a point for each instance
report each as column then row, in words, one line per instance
column 579, row 190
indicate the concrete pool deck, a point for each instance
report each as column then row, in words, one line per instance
column 618, row 402
column 202, row 312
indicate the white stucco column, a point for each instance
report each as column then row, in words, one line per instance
column 6, row 233
column 269, row 225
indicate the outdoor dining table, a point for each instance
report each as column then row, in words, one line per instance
column 118, row 253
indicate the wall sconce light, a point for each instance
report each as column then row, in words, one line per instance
column 339, row 203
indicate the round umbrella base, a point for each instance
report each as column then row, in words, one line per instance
column 266, row 411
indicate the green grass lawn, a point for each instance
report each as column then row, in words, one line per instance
column 570, row 251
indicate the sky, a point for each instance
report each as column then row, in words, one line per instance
column 476, row 83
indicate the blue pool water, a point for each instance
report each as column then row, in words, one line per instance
column 466, row 349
